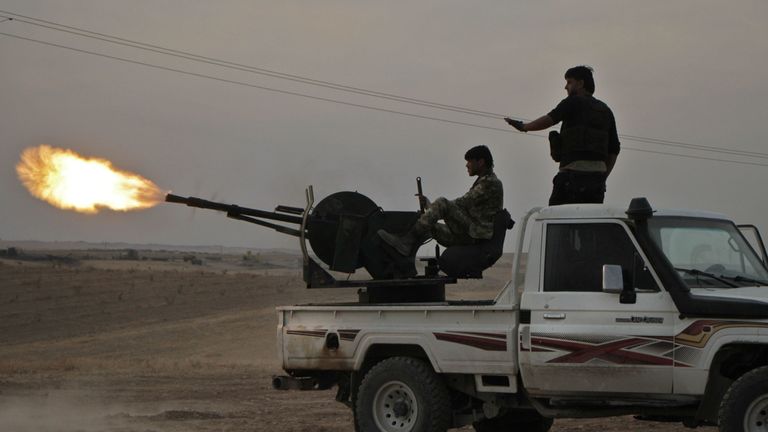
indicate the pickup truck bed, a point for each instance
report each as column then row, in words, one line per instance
column 337, row 336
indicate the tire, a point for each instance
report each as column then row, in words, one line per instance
column 403, row 394
column 745, row 405
column 518, row 421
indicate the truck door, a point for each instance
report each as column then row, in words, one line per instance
column 583, row 340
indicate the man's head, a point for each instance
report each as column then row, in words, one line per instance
column 479, row 160
column 579, row 81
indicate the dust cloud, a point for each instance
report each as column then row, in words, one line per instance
column 56, row 411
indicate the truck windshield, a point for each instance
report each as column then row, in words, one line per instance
column 708, row 253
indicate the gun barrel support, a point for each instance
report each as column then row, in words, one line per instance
column 232, row 209
column 279, row 228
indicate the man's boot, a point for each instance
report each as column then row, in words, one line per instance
column 404, row 244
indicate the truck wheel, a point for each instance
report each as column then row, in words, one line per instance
column 745, row 405
column 403, row 394
column 528, row 421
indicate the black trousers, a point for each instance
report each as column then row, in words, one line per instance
column 574, row 187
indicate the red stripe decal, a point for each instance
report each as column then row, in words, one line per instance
column 476, row 342
column 348, row 335
column 310, row 333
column 614, row 352
column 501, row 336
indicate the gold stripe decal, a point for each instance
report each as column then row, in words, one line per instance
column 699, row 333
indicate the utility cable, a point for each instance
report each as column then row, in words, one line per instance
column 242, row 67
column 199, row 75
column 335, row 86
column 324, row 99
column 679, row 144
column 694, row 157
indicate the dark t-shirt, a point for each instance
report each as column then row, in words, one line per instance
column 570, row 110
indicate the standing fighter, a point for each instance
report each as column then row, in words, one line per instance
column 587, row 145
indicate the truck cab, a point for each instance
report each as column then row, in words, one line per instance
column 686, row 287
column 659, row 313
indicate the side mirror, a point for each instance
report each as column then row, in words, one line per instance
column 613, row 279
column 613, row 282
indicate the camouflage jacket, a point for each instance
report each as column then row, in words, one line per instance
column 484, row 199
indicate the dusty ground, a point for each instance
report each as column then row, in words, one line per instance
column 94, row 343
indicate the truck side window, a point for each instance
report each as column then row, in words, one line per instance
column 575, row 254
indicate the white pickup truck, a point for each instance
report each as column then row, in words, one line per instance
column 662, row 314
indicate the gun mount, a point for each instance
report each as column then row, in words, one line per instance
column 342, row 232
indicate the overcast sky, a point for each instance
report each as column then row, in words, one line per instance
column 688, row 71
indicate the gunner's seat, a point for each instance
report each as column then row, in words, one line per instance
column 469, row 261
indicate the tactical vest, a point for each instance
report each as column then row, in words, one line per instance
column 589, row 137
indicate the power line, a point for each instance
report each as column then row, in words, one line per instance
column 324, row 99
column 679, row 144
column 225, row 80
column 242, row 67
column 695, row 157
column 336, row 86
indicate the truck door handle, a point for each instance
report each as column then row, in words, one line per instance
column 556, row 316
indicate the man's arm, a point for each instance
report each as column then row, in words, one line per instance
column 473, row 196
column 540, row 123
column 562, row 111
column 485, row 189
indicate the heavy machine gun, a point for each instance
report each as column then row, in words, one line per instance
column 342, row 232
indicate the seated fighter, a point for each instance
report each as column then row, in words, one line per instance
column 468, row 219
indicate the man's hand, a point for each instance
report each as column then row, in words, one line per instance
column 517, row 124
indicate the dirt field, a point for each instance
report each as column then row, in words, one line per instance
column 93, row 343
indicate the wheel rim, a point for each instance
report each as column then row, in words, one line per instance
column 395, row 408
column 756, row 416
